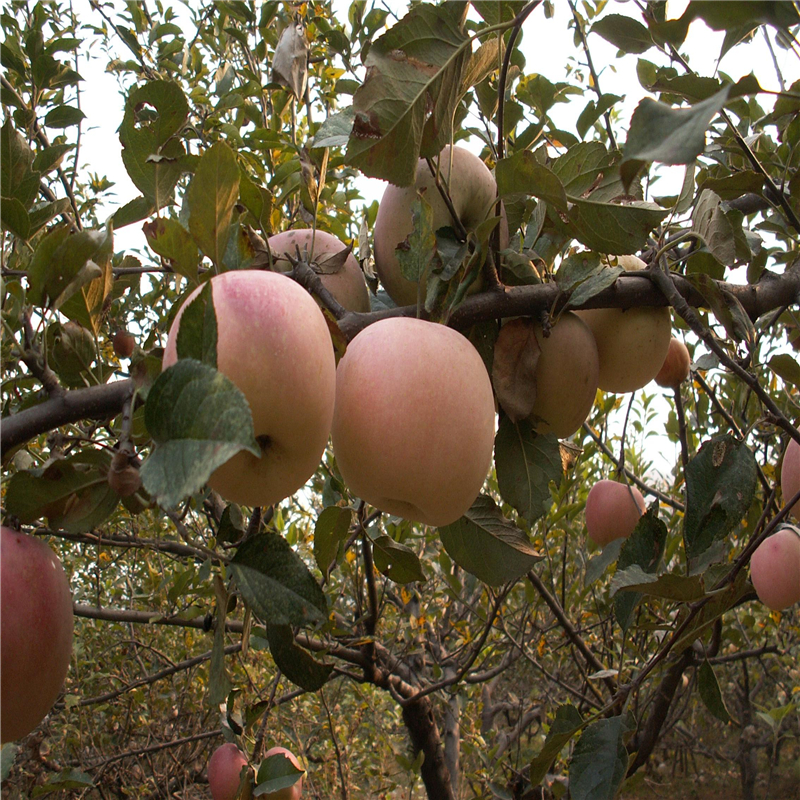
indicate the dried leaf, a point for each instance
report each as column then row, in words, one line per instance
column 516, row 356
column 290, row 63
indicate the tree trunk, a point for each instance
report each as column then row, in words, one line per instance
column 424, row 734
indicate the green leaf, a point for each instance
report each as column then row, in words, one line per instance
column 396, row 561
column 406, row 105
column 710, row 692
column 335, row 130
column 644, row 548
column 487, row 545
column 14, row 218
column 7, row 756
column 276, row 584
column 494, row 12
column 150, row 153
column 727, row 308
column 68, row 779
column 197, row 333
column 18, row 181
column 593, row 111
column 219, row 682
column 294, row 662
column 671, row 586
column 332, row 528
column 786, row 367
column 416, row 252
column 526, row 463
column 721, row 482
column 567, row 723
column 133, row 211
column 39, row 217
column 582, row 166
column 659, row 132
column 613, row 229
column 625, row 33
column 212, row 196
column 600, row 760
column 64, row 117
column 600, row 563
column 275, row 773
column 172, row 241
column 523, row 174
column 199, row 420
column 73, row 493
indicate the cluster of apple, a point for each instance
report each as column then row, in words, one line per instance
column 228, row 769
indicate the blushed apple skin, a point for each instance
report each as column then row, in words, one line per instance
column 413, row 428
column 224, row 771
column 775, row 569
column 274, row 344
column 790, row 476
column 675, row 369
column 347, row 286
column 473, row 192
column 36, row 632
column 293, row 792
column 632, row 343
column 566, row 377
column 612, row 511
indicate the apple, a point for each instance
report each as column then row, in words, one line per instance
column 612, row 511
column 274, row 344
column 473, row 192
column 35, row 632
column 224, row 771
column 632, row 343
column 790, row 476
column 346, row 284
column 414, row 422
column 566, row 376
column 775, row 569
column 292, row 792
column 123, row 343
column 675, row 369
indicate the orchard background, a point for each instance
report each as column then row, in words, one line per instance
column 506, row 658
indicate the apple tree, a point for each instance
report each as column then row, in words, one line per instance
column 501, row 652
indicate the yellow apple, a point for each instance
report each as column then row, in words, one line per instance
column 274, row 344
column 413, row 428
column 346, row 284
column 473, row 192
column 632, row 343
column 612, row 511
column 35, row 632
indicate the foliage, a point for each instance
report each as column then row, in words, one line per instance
column 397, row 659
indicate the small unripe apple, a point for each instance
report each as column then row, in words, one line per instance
column 566, row 376
column 790, row 476
column 35, row 632
column 675, row 369
column 612, row 511
column 345, row 283
column 293, row 792
column 775, row 569
column 413, row 428
column 473, row 193
column 123, row 343
column 224, row 771
column 632, row 343
column 274, row 344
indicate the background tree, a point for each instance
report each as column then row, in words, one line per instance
column 487, row 657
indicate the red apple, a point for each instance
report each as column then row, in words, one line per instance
column 35, row 632
column 413, row 428
column 612, row 511
column 775, row 569
column 274, row 344
column 224, row 771
column 292, row 792
column 123, row 343
column 790, row 476
column 346, row 283
column 675, row 369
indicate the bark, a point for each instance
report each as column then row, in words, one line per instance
column 423, row 731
